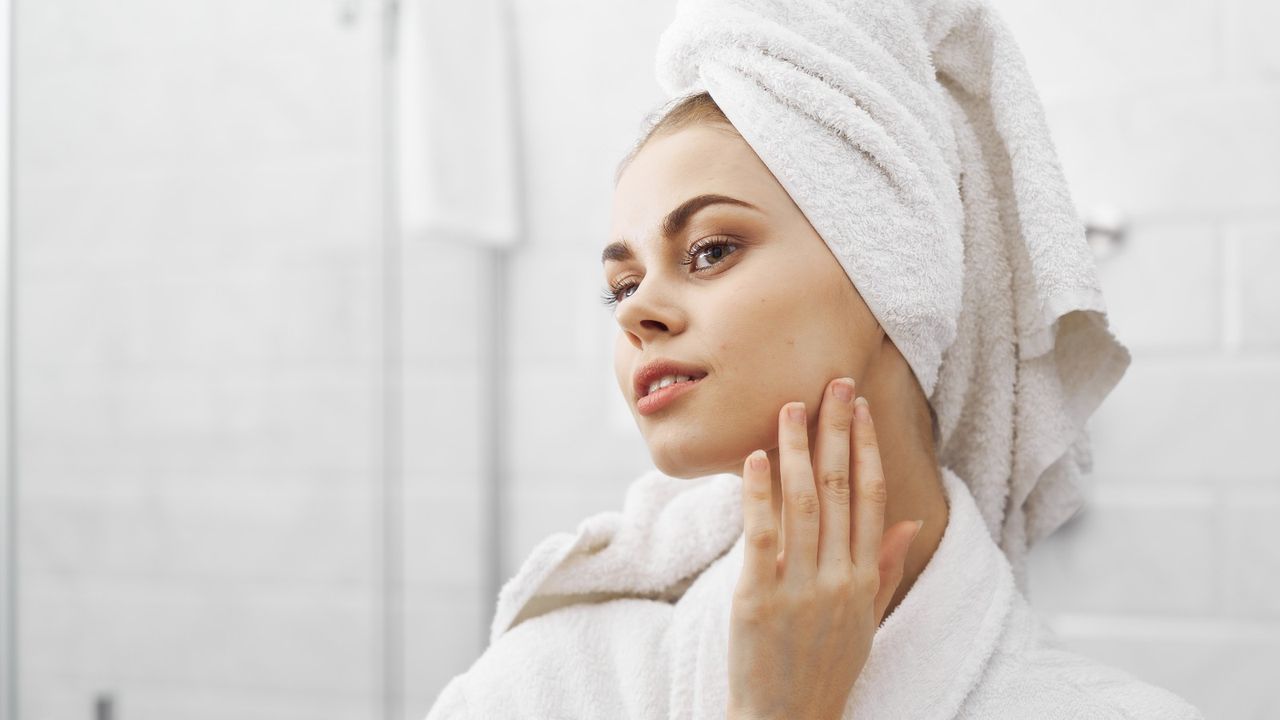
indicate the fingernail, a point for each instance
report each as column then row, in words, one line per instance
column 843, row 389
column 919, row 524
column 860, row 408
column 796, row 413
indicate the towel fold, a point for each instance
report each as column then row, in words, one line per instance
column 910, row 135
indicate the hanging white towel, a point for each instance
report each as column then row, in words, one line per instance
column 456, row 135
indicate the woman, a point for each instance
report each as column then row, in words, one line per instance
column 835, row 207
column 756, row 312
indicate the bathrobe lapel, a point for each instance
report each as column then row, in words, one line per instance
column 669, row 530
column 680, row 541
column 926, row 656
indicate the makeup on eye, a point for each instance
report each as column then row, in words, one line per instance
column 715, row 243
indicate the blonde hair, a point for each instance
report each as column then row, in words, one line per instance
column 676, row 114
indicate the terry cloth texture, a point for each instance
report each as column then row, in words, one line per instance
column 910, row 135
column 628, row 617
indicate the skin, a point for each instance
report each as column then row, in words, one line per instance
column 773, row 319
column 802, row 621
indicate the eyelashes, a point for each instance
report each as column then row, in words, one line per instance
column 609, row 296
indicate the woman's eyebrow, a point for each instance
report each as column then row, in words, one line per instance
column 674, row 223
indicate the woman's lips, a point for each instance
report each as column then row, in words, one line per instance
column 662, row 397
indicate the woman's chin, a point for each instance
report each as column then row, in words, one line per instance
column 692, row 465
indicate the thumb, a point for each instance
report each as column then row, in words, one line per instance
column 893, row 559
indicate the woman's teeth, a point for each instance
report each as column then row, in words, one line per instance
column 668, row 380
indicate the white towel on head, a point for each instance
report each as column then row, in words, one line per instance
column 910, row 135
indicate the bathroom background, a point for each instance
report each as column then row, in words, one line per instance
column 304, row 352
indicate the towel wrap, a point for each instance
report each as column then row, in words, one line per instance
column 910, row 135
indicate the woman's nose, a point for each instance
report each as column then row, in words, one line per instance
column 649, row 311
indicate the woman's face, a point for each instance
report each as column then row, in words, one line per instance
column 769, row 318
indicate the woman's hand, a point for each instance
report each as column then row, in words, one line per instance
column 804, row 613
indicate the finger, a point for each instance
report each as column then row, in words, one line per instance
column 760, row 534
column 799, row 496
column 893, row 562
column 869, row 487
column 831, row 459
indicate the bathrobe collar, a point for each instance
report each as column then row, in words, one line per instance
column 936, row 642
column 669, row 530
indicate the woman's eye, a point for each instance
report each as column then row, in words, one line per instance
column 610, row 295
column 715, row 249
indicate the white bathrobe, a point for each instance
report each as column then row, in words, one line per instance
column 629, row 618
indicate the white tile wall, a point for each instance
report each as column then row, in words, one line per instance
column 1149, row 549
column 1103, row 48
column 281, row 635
column 1250, row 551
column 264, row 529
column 67, row 696
column 8, row 494
column 441, row 619
column 196, row 342
column 445, row 316
column 1176, row 309
column 1249, row 51
column 1170, row 572
column 1197, row 418
column 1193, row 153
column 1226, row 668
column 1256, row 293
